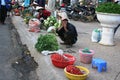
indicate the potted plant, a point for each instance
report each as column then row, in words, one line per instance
column 108, row 14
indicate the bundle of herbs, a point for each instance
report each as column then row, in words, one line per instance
column 47, row 42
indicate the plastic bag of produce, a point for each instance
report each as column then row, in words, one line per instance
column 96, row 35
column 51, row 29
column 34, row 25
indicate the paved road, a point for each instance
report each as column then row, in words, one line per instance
column 10, row 52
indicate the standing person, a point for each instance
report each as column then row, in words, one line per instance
column 51, row 6
column 67, row 32
column 4, row 5
column 41, row 3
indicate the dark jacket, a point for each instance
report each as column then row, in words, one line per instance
column 71, row 30
column 71, row 34
column 8, row 4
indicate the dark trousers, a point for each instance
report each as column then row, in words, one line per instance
column 3, row 14
column 69, row 38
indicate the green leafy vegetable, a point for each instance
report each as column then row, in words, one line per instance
column 47, row 42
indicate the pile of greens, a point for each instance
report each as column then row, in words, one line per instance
column 109, row 7
column 47, row 42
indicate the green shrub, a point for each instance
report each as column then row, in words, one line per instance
column 109, row 7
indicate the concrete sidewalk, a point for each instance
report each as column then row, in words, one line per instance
column 46, row 71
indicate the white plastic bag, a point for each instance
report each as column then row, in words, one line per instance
column 96, row 35
column 51, row 29
column 47, row 52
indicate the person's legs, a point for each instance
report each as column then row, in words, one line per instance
column 61, row 34
column 0, row 15
column 3, row 14
column 70, row 39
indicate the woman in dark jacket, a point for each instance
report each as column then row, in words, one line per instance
column 4, row 6
column 67, row 32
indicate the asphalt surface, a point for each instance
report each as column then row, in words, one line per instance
column 45, row 70
column 10, row 52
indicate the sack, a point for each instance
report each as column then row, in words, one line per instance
column 51, row 29
column 96, row 35
column 34, row 25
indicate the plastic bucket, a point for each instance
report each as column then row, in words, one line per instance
column 86, row 57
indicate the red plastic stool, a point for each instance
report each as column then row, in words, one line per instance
column 100, row 64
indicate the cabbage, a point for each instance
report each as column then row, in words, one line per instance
column 56, row 24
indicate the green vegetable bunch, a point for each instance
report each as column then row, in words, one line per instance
column 109, row 7
column 47, row 42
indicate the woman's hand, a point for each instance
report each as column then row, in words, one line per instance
column 60, row 28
